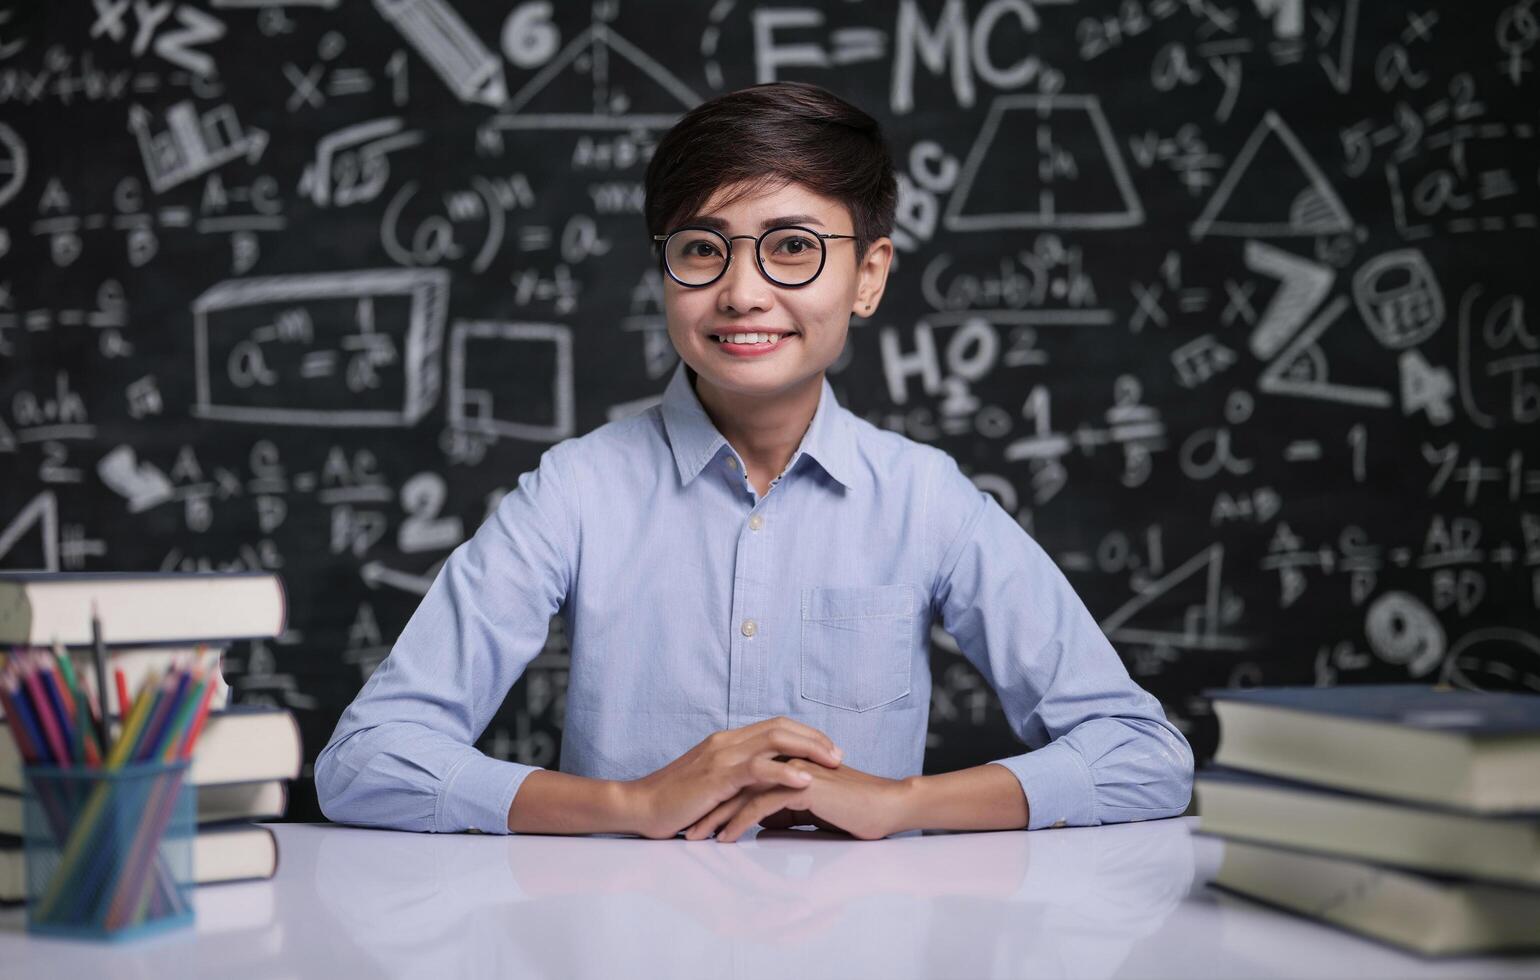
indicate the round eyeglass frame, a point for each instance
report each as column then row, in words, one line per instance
column 759, row 260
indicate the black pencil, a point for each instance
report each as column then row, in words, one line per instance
column 100, row 656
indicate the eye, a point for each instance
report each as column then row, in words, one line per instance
column 795, row 245
column 693, row 248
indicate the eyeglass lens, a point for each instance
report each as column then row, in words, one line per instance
column 790, row 256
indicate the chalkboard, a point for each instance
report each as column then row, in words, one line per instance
column 1228, row 302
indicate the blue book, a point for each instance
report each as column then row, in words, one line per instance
column 1470, row 750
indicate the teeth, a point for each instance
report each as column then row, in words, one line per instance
column 750, row 338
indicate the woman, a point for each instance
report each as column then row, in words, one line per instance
column 748, row 571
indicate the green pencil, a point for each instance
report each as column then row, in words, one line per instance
column 85, row 717
column 77, row 733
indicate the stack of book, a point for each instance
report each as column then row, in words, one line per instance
column 1406, row 813
column 246, row 755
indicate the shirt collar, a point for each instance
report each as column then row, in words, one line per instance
column 695, row 440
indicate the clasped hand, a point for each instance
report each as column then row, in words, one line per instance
column 777, row 773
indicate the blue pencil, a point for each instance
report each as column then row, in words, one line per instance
column 56, row 703
column 34, row 728
column 152, row 742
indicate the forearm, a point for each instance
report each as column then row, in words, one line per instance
column 987, row 797
column 551, row 802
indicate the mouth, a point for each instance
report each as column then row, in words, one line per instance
column 751, row 340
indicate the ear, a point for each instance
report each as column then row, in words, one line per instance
column 872, row 276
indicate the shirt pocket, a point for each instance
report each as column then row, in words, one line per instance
column 857, row 644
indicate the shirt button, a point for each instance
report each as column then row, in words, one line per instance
column 1059, row 823
column 749, row 628
column 756, row 522
column 732, row 462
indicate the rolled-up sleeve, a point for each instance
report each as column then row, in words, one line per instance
column 1102, row 750
column 403, row 754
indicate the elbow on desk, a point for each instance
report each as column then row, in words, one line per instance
column 357, row 783
column 331, row 783
column 1175, row 791
column 1157, row 782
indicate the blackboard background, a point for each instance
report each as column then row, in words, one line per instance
column 1102, row 203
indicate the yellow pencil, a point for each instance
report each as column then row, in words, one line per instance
column 136, row 719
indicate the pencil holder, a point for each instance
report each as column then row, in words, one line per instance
column 108, row 852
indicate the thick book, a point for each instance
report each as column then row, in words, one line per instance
column 242, row 743
column 224, row 853
column 1468, row 749
column 1420, row 837
column 1429, row 914
column 265, row 800
column 136, row 608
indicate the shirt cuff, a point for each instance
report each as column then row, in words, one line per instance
column 1059, row 788
column 479, row 794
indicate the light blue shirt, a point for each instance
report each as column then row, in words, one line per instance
column 693, row 605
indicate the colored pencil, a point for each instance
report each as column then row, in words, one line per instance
column 74, row 744
column 54, row 720
column 46, row 721
column 8, row 692
column 99, row 652
column 90, row 817
column 42, row 755
column 87, row 719
column 123, row 699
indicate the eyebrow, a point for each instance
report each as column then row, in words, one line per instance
column 711, row 221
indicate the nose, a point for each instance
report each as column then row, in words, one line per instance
column 742, row 288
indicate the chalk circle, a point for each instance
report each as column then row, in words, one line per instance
column 1494, row 658
column 1403, row 631
column 13, row 164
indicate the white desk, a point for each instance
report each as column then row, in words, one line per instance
column 1126, row 900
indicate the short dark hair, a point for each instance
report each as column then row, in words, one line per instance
column 768, row 135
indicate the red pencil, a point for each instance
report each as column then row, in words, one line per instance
column 186, row 750
column 124, row 701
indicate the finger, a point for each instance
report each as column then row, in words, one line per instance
column 761, row 772
column 753, row 811
column 719, row 815
column 782, row 723
column 795, row 744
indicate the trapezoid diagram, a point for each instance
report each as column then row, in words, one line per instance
column 1044, row 161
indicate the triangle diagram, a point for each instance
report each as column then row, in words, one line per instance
column 40, row 514
column 598, row 81
column 1301, row 369
column 1275, row 188
column 1180, row 609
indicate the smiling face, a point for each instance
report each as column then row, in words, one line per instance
column 813, row 319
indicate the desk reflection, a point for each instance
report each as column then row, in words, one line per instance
column 1071, row 901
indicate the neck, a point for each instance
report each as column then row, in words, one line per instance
column 765, row 430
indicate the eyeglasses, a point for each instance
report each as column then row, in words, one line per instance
column 790, row 255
